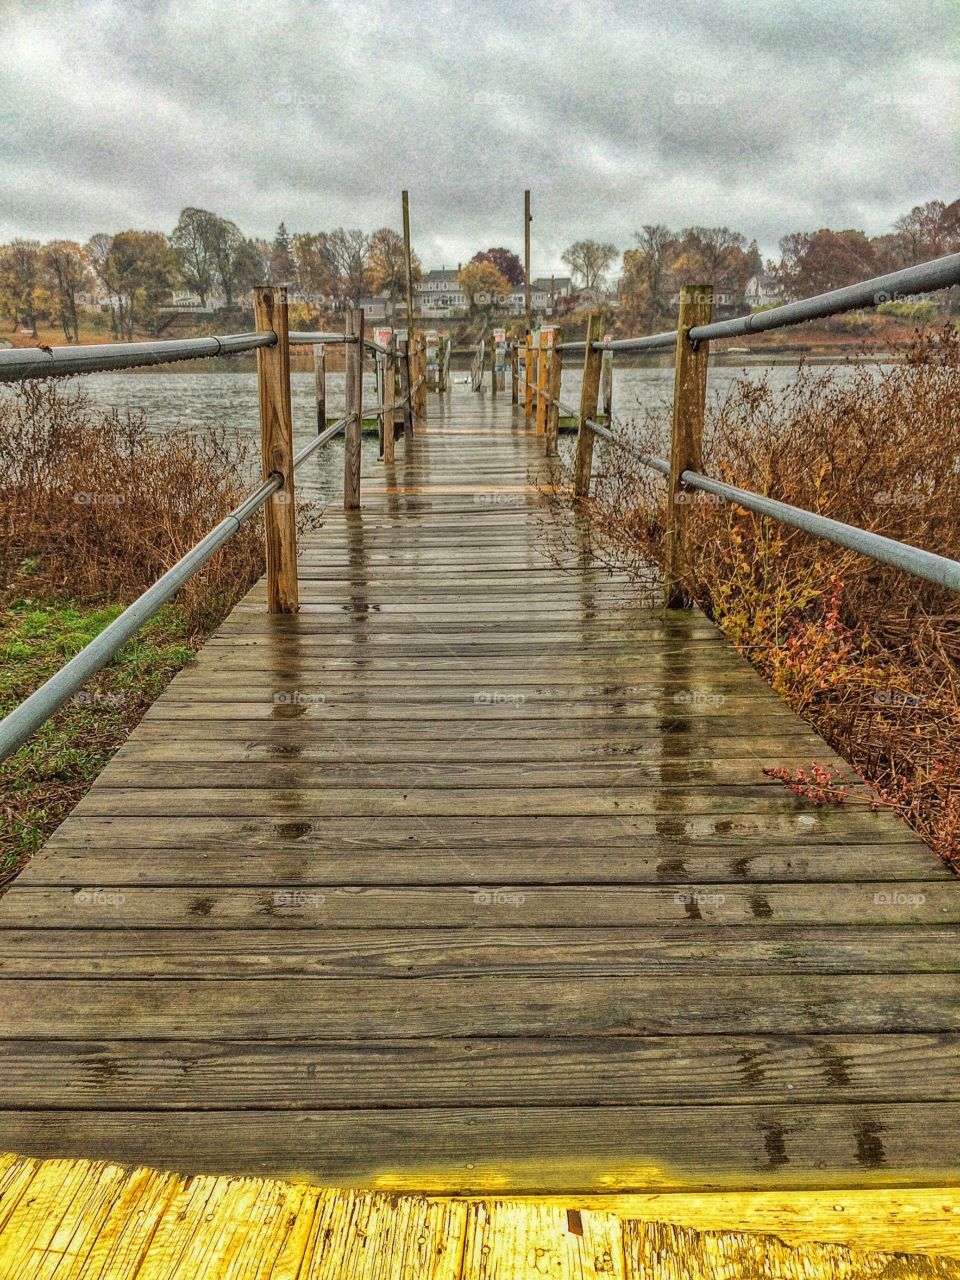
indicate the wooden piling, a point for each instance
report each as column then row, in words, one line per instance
column 276, row 442
column 528, row 376
column 320, row 377
column 403, row 356
column 553, row 393
column 527, row 219
column 686, row 444
column 514, row 373
column 354, row 430
column 543, row 360
column 389, row 402
column 606, row 384
column 589, row 392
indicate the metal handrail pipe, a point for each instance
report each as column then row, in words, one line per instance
column 25, row 719
column 327, row 434
column 652, row 342
column 318, row 339
column 939, row 273
column 648, row 459
column 940, row 570
column 55, row 362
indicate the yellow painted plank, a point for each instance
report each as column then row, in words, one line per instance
column 917, row 1220
column 86, row 1220
column 508, row 1241
column 662, row 1251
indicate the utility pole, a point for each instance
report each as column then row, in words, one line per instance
column 408, row 260
column 527, row 219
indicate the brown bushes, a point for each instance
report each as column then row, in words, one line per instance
column 867, row 653
column 95, row 507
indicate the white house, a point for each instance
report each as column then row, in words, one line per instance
column 439, row 294
column 761, row 291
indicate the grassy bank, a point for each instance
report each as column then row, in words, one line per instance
column 93, row 509
column 867, row 654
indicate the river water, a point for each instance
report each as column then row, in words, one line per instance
column 228, row 399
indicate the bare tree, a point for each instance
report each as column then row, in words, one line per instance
column 590, row 260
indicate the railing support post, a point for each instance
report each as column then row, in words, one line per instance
column 276, row 442
column 493, row 366
column 543, row 355
column 405, row 385
column 606, row 383
column 389, row 402
column 528, row 376
column 422, row 376
column 514, row 373
column 589, row 392
column 553, row 393
column 320, row 375
column 354, row 428
column 686, row 443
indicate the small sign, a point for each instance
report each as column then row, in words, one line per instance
column 500, row 337
column 382, row 336
column 546, row 336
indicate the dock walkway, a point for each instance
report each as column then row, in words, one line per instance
column 468, row 878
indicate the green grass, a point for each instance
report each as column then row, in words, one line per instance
column 42, row 782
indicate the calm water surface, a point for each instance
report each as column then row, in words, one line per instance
column 228, row 399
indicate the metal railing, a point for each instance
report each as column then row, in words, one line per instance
column 690, row 342
column 277, row 439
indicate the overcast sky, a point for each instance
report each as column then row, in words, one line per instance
column 769, row 116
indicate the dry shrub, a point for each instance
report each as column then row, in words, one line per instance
column 868, row 654
column 95, row 507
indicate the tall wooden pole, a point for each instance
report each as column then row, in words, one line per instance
column 408, row 262
column 514, row 373
column 527, row 219
column 354, row 429
column 589, row 391
column 686, row 443
column 276, row 441
column 403, row 355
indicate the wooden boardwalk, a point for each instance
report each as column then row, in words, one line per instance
column 468, row 878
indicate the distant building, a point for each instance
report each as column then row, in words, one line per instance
column 439, row 294
column 761, row 291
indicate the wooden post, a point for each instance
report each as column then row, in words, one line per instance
column 686, row 444
column 606, row 383
column 422, row 374
column 553, row 392
column 514, row 374
column 389, row 403
column 403, row 349
column 589, row 391
column 320, row 374
column 354, row 431
column 276, row 442
column 493, row 366
column 543, row 357
column 527, row 219
column 528, row 376
column 408, row 262
column 381, row 395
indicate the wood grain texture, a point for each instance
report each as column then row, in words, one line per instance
column 468, row 877
column 276, row 444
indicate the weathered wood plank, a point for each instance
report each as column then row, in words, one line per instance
column 311, row 1009
column 540, row 1149
column 490, row 1071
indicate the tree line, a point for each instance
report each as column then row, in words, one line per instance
column 209, row 256
column 810, row 262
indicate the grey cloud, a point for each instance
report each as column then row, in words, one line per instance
column 769, row 117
